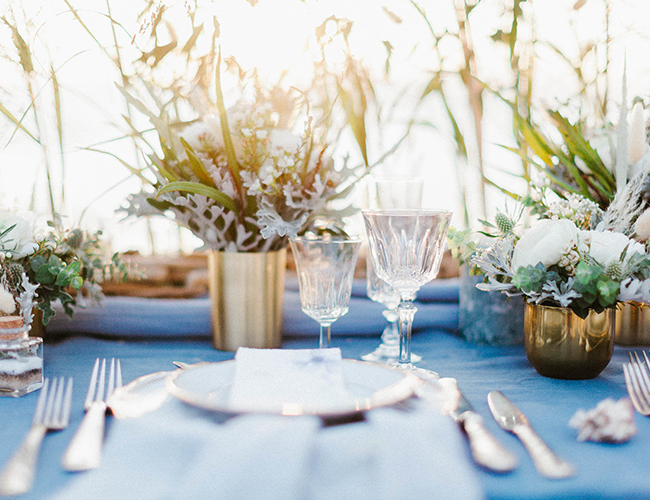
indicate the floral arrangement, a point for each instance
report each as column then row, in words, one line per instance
column 568, row 259
column 58, row 265
column 241, row 179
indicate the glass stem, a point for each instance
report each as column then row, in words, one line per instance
column 390, row 335
column 406, row 311
column 325, row 335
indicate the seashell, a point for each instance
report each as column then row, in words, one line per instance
column 610, row 422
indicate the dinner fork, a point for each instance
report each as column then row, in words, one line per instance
column 52, row 414
column 637, row 380
column 85, row 449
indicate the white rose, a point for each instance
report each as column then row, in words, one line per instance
column 546, row 242
column 20, row 239
column 606, row 246
column 7, row 302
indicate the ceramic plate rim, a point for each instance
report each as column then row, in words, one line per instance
column 388, row 395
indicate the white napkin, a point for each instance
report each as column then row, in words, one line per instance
column 288, row 381
column 179, row 452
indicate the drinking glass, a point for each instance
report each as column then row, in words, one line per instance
column 398, row 193
column 406, row 247
column 325, row 267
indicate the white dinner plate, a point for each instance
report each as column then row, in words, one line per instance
column 207, row 386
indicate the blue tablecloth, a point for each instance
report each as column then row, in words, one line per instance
column 605, row 471
column 175, row 318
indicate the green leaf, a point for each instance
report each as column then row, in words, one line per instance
column 233, row 164
column 196, row 163
column 37, row 262
column 16, row 122
column 48, row 312
column 45, row 276
column 69, row 272
column 54, row 262
column 202, row 189
column 156, row 121
column 77, row 282
column 356, row 122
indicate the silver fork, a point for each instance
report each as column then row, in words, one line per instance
column 85, row 449
column 637, row 380
column 52, row 414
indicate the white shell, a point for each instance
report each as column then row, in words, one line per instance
column 611, row 422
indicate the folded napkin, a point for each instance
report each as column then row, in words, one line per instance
column 288, row 381
column 179, row 452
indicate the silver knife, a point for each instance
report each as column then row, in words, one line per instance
column 487, row 451
column 510, row 418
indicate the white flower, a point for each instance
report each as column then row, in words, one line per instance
column 642, row 226
column 607, row 246
column 20, row 239
column 636, row 134
column 7, row 302
column 546, row 242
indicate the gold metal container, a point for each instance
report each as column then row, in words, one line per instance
column 560, row 344
column 633, row 324
column 247, row 293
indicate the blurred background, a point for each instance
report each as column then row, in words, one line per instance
column 442, row 89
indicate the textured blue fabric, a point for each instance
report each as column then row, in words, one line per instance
column 605, row 471
column 173, row 318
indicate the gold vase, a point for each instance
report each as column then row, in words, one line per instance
column 246, row 293
column 633, row 324
column 560, row 344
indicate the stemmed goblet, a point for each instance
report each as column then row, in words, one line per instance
column 325, row 267
column 406, row 247
column 383, row 193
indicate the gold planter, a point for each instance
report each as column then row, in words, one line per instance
column 560, row 344
column 247, row 293
column 633, row 324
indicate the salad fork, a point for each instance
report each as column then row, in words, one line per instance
column 85, row 448
column 637, row 380
column 52, row 414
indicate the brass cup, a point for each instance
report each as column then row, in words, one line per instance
column 633, row 324
column 560, row 344
column 247, row 294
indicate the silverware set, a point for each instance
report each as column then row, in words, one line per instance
column 486, row 450
column 52, row 413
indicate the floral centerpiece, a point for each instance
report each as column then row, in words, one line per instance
column 572, row 270
column 243, row 179
column 62, row 265
column 565, row 260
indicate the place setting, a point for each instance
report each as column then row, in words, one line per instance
column 301, row 250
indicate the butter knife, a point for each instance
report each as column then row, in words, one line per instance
column 510, row 418
column 487, row 451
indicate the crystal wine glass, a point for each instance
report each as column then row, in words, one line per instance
column 406, row 248
column 399, row 193
column 325, row 267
